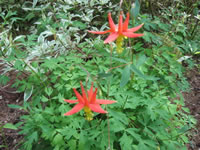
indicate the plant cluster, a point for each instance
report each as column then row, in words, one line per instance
column 142, row 82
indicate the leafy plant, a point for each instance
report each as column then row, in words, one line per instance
column 144, row 79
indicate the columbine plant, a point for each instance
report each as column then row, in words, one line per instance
column 88, row 102
column 119, row 32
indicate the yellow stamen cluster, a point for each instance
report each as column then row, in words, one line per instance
column 119, row 43
column 88, row 113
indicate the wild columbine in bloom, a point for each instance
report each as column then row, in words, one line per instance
column 88, row 102
column 119, row 32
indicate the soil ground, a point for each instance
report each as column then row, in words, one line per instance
column 12, row 139
column 9, row 95
column 192, row 101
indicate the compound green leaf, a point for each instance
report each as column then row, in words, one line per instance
column 125, row 76
column 10, row 126
column 141, row 60
column 137, row 71
column 126, row 142
column 133, row 133
column 58, row 139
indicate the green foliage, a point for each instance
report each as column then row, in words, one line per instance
column 135, row 9
column 10, row 126
column 143, row 117
column 57, row 53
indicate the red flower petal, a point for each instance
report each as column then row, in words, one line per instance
column 111, row 23
column 93, row 98
column 125, row 24
column 90, row 92
column 71, row 101
column 103, row 101
column 111, row 37
column 135, row 28
column 100, row 32
column 120, row 25
column 83, row 92
column 97, row 108
column 132, row 35
column 75, row 109
column 79, row 97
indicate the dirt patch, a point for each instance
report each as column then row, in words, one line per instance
column 10, row 139
column 8, row 115
column 192, row 101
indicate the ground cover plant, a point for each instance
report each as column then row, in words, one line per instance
column 126, row 91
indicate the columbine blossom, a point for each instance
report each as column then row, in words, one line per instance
column 119, row 32
column 88, row 102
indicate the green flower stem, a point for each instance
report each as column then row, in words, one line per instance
column 108, row 90
column 111, row 50
column 127, row 6
column 193, row 33
column 119, row 66
column 132, row 54
column 125, row 102
column 176, row 136
column 108, row 122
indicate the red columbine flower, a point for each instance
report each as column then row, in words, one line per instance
column 88, row 102
column 119, row 32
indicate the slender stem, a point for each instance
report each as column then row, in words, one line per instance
column 108, row 130
column 108, row 90
column 151, row 9
column 132, row 53
column 111, row 50
column 127, row 5
column 193, row 31
column 172, row 138
column 125, row 102
column 118, row 66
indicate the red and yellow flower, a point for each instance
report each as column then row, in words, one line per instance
column 87, row 102
column 119, row 32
